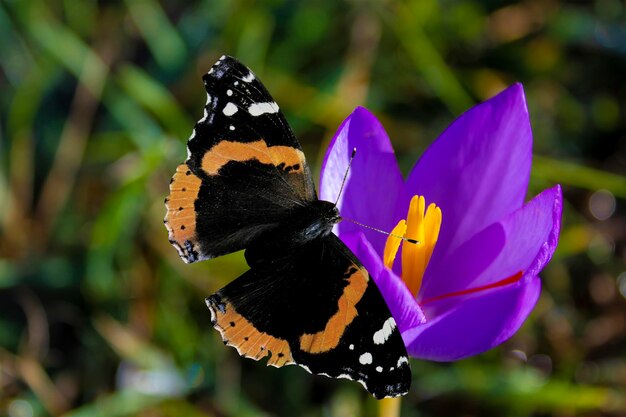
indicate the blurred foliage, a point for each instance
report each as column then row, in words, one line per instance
column 98, row 315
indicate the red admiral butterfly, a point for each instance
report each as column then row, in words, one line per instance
column 306, row 299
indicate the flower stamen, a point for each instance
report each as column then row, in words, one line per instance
column 423, row 225
column 393, row 243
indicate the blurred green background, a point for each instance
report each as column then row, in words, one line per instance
column 100, row 317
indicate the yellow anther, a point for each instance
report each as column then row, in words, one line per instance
column 432, row 226
column 393, row 243
column 422, row 224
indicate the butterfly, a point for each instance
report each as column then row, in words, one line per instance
column 306, row 299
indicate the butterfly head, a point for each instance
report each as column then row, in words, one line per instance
column 314, row 220
column 329, row 214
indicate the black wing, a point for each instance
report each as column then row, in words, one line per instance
column 244, row 170
column 315, row 307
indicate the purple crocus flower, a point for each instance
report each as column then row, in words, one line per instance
column 473, row 278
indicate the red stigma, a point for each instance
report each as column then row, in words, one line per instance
column 506, row 281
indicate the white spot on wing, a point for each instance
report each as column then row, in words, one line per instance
column 206, row 114
column 401, row 360
column 383, row 334
column 236, row 83
column 232, row 127
column 229, row 92
column 229, row 109
column 366, row 358
column 208, row 304
column 351, row 347
column 257, row 109
column 379, row 369
column 248, row 78
column 208, row 99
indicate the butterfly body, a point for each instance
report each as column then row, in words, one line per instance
column 306, row 299
column 304, row 224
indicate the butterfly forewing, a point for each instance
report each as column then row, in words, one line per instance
column 244, row 170
column 242, row 120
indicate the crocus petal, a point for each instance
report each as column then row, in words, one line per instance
column 401, row 302
column 478, row 169
column 463, row 326
column 374, row 182
column 522, row 241
column 475, row 325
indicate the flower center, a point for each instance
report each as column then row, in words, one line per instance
column 422, row 224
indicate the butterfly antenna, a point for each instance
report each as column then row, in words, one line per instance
column 404, row 238
column 345, row 176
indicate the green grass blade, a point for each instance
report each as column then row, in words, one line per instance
column 166, row 45
column 569, row 173
column 152, row 95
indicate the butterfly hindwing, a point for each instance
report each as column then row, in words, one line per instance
column 244, row 170
column 315, row 306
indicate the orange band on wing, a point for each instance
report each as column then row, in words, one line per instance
column 238, row 332
column 180, row 219
column 287, row 158
column 328, row 339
